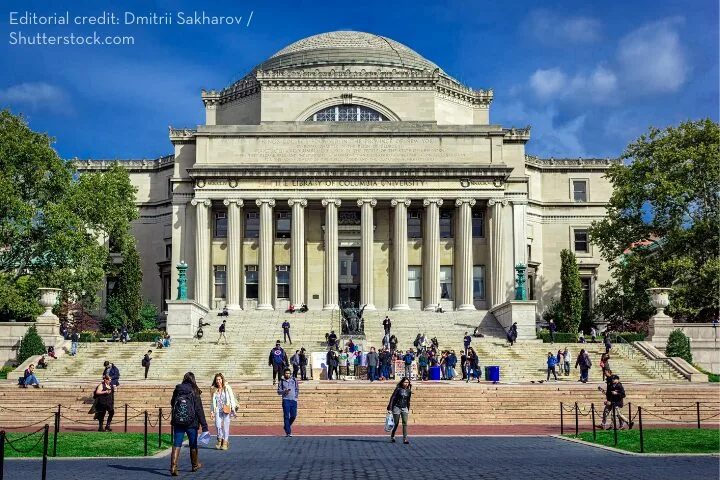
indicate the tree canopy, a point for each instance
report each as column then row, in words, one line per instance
column 663, row 225
column 53, row 221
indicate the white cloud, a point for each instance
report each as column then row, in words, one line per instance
column 652, row 57
column 595, row 87
column 36, row 96
column 548, row 83
column 553, row 28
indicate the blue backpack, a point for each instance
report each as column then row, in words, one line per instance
column 278, row 356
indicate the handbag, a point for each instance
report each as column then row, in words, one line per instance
column 226, row 409
column 389, row 422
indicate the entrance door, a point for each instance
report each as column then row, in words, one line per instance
column 349, row 276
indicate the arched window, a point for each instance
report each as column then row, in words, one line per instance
column 347, row 113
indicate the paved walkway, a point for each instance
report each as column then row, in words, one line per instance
column 373, row 457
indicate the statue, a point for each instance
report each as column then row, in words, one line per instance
column 520, row 291
column 353, row 323
column 182, row 281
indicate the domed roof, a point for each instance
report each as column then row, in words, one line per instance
column 347, row 47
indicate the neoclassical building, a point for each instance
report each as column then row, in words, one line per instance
column 347, row 167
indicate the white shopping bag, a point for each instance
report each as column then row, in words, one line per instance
column 389, row 422
column 204, row 438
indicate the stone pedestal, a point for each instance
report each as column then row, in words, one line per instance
column 521, row 311
column 183, row 318
column 48, row 324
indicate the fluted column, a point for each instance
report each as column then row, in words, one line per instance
column 497, row 251
column 330, row 292
column 234, row 249
column 265, row 262
column 431, row 253
column 400, row 254
column 367, row 292
column 519, row 209
column 297, row 252
column 202, row 252
column 463, row 255
column 178, row 244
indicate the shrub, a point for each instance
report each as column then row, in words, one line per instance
column 30, row 345
column 88, row 336
column 148, row 316
column 678, row 345
column 560, row 337
column 146, row 335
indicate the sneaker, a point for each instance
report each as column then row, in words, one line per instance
column 108, row 429
column 288, row 435
column 392, row 439
column 406, row 442
column 631, row 425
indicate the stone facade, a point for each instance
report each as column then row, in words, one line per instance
column 349, row 168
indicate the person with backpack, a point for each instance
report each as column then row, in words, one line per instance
column 584, row 362
column 408, row 358
column 289, row 389
column 224, row 406
column 221, row 330
column 187, row 416
column 399, row 406
column 295, row 362
column 303, row 361
column 113, row 372
column 278, row 361
column 512, row 334
column 423, row 366
column 606, row 342
column 146, row 362
column 393, row 343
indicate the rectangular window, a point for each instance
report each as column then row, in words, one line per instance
column 446, row 224
column 580, row 190
column 479, row 282
column 531, row 287
column 529, row 253
column 446, row 291
column 282, row 224
column 251, row 281
column 283, row 281
column 252, row 225
column 478, row 224
column 585, row 282
column 220, row 226
column 168, row 251
column 220, row 281
column 581, row 243
column 414, row 282
column 414, row 226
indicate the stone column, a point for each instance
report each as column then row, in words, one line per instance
column 431, row 253
column 519, row 209
column 330, row 292
column 464, row 255
column 202, row 252
column 497, row 251
column 297, row 251
column 367, row 292
column 400, row 254
column 265, row 260
column 234, row 249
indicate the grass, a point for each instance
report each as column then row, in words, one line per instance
column 712, row 377
column 4, row 372
column 660, row 440
column 85, row 444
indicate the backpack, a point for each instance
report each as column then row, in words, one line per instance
column 144, row 362
column 416, row 343
column 183, row 412
column 588, row 362
column 278, row 356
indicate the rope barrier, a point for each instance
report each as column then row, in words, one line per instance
column 23, row 451
column 31, row 424
column 668, row 419
column 78, row 421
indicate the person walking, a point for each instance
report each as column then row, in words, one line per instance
column 393, row 343
column 552, row 327
column 303, row 361
column 332, row 364
column 288, row 388
column 385, row 361
column 373, row 360
column 74, row 341
column 551, row 362
column 104, row 403
column 224, row 406
column 221, row 330
column 593, row 334
column 566, row 360
column 286, row 332
column 146, row 362
column 614, row 395
column 278, row 361
column 187, row 417
column 295, row 362
column 113, row 372
column 399, row 406
column 583, row 361
column 512, row 334
column 386, row 325
column 606, row 342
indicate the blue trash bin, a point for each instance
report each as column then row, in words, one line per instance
column 435, row 373
column 492, row 374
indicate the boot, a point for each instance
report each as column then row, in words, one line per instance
column 196, row 465
column 219, row 443
column 174, row 455
column 226, row 444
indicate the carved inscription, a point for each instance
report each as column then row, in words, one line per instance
column 351, row 183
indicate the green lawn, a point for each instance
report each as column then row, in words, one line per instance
column 87, row 444
column 660, row 440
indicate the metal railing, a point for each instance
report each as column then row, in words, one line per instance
column 657, row 367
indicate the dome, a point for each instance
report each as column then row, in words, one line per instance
column 347, row 48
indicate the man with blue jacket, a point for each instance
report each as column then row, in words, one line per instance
column 278, row 361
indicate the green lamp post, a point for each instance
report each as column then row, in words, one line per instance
column 520, row 290
column 182, row 280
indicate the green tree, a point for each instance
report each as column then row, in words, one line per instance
column 571, row 297
column 31, row 344
column 127, row 296
column 667, row 192
column 678, row 345
column 148, row 316
column 51, row 219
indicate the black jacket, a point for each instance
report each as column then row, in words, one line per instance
column 184, row 389
column 616, row 398
column 332, row 359
column 395, row 397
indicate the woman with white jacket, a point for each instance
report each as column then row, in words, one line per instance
column 224, row 406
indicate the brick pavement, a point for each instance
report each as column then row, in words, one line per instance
column 362, row 458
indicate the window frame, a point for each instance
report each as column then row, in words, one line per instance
column 254, row 215
column 217, row 269
column 482, row 296
column 360, row 111
column 282, row 215
column 282, row 289
column 220, row 215
column 449, row 288
column 448, row 215
column 477, row 214
column 586, row 181
column 255, row 284
column 417, row 279
column 573, row 232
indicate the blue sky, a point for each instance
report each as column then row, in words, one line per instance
column 588, row 76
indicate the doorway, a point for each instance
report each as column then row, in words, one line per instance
column 349, row 277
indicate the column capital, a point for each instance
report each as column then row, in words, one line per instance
column 269, row 201
column 326, row 201
column 371, row 201
column 238, row 201
column 198, row 201
column 428, row 201
column 396, row 201
column 493, row 201
column 460, row 201
column 300, row 201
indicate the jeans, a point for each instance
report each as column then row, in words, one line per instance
column 567, row 368
column 73, row 348
column 399, row 413
column 333, row 369
column 450, row 372
column 31, row 380
column 584, row 374
column 277, row 371
column 408, row 369
column 372, row 373
column 618, row 414
column 286, row 336
column 179, row 432
column 222, row 424
column 385, row 371
column 303, row 372
column 289, row 414
column 423, row 372
column 552, row 336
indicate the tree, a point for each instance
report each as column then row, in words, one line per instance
column 30, row 345
column 148, row 316
column 663, row 225
column 51, row 219
column 127, row 296
column 678, row 345
column 571, row 297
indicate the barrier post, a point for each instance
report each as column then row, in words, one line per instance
column 592, row 411
column 55, row 434
column 629, row 413
column 577, row 421
column 561, row 419
column 2, row 453
column 146, row 432
column 697, row 404
column 614, row 423
column 159, row 427
column 642, row 443
column 45, row 451
column 126, row 408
